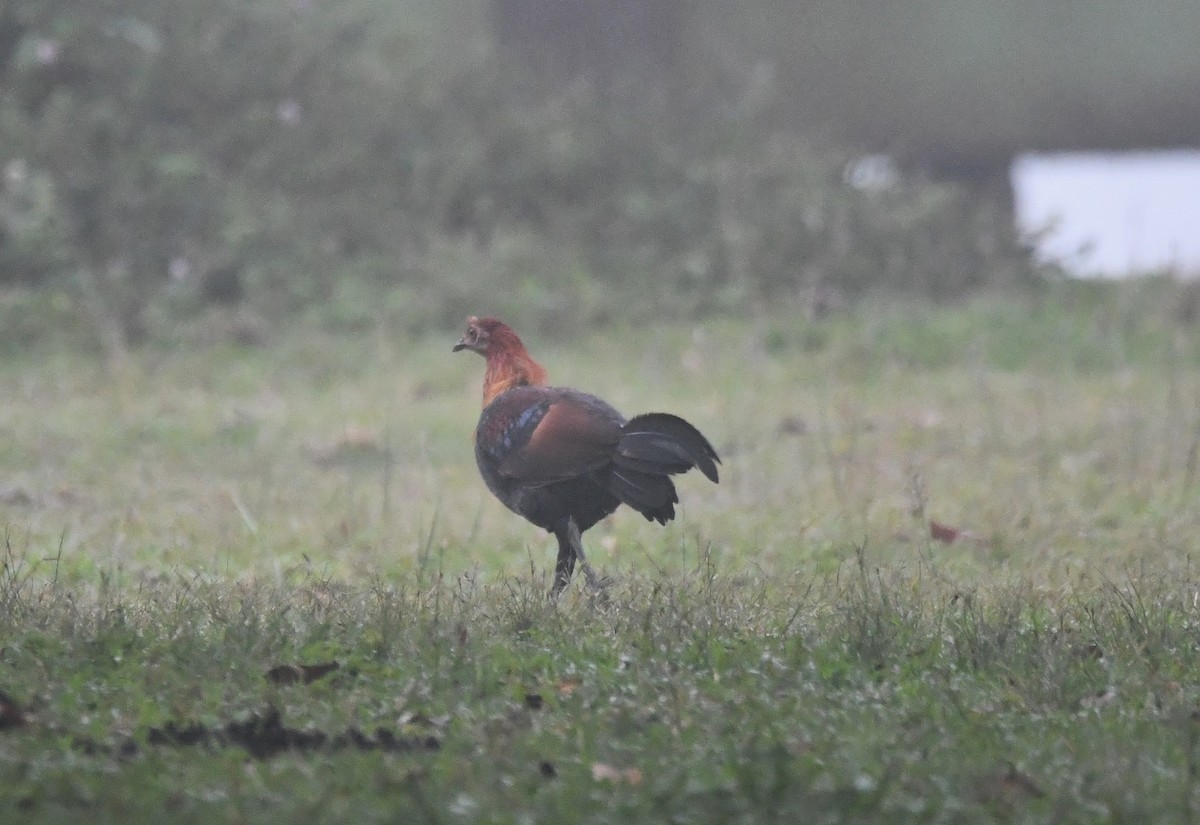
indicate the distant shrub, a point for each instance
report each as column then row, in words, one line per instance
column 165, row 156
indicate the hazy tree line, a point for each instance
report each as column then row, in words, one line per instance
column 367, row 159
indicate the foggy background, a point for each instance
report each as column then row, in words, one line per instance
column 176, row 165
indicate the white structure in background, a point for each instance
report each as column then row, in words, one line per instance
column 1112, row 214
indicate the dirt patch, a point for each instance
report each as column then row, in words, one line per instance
column 264, row 735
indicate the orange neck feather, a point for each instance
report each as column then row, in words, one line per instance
column 509, row 365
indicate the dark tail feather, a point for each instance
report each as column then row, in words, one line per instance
column 663, row 443
column 653, row 447
column 653, row 496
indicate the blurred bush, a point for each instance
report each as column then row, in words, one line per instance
column 164, row 157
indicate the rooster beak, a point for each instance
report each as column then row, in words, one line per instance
column 464, row 343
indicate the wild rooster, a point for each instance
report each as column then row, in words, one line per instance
column 564, row 459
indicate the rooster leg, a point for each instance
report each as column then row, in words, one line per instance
column 594, row 582
column 565, row 565
column 570, row 549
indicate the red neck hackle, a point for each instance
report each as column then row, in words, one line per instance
column 509, row 364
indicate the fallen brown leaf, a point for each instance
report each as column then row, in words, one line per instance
column 607, row 773
column 568, row 685
column 943, row 532
column 306, row 674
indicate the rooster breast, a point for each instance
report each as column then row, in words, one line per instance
column 545, row 451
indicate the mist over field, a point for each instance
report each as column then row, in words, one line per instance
column 250, row 569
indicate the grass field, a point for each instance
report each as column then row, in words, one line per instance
column 190, row 536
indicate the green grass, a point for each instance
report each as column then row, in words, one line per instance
column 795, row 647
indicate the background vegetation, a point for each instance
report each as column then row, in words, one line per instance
column 366, row 160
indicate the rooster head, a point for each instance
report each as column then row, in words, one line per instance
column 479, row 334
